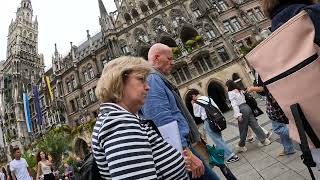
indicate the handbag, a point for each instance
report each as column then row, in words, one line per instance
column 289, row 65
column 216, row 156
column 252, row 103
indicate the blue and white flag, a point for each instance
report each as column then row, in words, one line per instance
column 27, row 112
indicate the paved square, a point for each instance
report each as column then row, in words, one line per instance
column 263, row 162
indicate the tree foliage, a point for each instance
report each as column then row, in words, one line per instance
column 55, row 143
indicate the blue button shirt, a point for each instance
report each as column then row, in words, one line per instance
column 161, row 107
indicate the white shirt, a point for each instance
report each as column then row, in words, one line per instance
column 237, row 98
column 19, row 168
column 200, row 111
column 2, row 176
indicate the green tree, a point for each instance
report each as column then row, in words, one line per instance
column 55, row 143
column 31, row 160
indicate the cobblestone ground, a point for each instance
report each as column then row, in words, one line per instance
column 262, row 162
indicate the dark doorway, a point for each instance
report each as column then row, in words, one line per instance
column 81, row 148
column 218, row 94
column 198, row 120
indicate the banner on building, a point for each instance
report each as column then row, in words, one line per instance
column 37, row 104
column 27, row 112
column 47, row 80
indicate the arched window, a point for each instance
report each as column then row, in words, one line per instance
column 143, row 7
column 69, row 85
column 141, row 35
column 161, row 1
column 181, row 74
column 176, row 15
column 210, row 33
column 74, row 82
column 134, row 13
column 124, row 48
column 85, row 74
column 91, row 72
column 202, row 62
column 127, row 17
column 195, row 10
column 223, row 54
column 151, row 4
column 157, row 25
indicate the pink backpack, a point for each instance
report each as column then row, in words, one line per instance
column 289, row 65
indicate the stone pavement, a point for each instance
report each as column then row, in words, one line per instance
column 262, row 162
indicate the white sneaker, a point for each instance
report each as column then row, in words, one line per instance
column 241, row 149
column 266, row 142
column 269, row 134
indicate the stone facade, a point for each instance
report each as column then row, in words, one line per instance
column 23, row 66
column 207, row 37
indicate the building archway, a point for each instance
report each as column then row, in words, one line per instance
column 167, row 40
column 81, row 148
column 188, row 33
column 189, row 105
column 217, row 92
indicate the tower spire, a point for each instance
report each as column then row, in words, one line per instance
column 102, row 8
column 55, row 49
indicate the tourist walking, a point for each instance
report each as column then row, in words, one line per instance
column 245, row 117
column 3, row 174
column 278, row 119
column 165, row 107
column 19, row 167
column 124, row 145
column 44, row 168
column 216, row 137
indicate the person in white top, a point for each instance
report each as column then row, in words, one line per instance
column 44, row 167
column 216, row 137
column 19, row 167
column 3, row 174
column 244, row 115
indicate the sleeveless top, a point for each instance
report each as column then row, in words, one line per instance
column 45, row 168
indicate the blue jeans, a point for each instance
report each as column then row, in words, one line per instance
column 282, row 130
column 209, row 174
column 216, row 137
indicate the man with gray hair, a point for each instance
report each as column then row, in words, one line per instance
column 164, row 105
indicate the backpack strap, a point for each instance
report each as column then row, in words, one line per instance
column 304, row 127
column 206, row 106
column 154, row 127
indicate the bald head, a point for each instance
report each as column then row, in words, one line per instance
column 160, row 56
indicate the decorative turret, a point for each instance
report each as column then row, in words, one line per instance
column 105, row 19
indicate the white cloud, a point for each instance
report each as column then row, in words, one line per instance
column 60, row 21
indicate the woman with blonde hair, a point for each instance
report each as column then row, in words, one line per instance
column 124, row 145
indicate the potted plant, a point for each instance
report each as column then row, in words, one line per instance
column 198, row 38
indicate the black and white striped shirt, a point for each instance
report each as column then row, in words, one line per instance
column 126, row 148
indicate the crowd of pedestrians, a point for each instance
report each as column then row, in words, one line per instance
column 129, row 140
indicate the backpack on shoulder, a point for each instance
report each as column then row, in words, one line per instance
column 216, row 120
column 89, row 170
column 288, row 63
